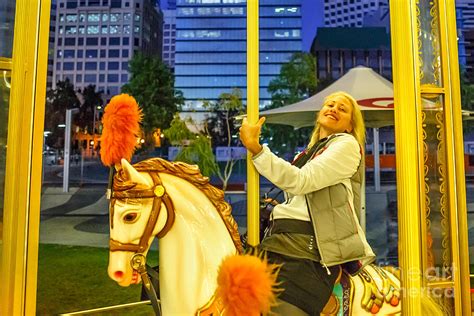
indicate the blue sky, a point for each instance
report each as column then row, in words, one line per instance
column 312, row 11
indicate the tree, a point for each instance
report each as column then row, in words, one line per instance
column 91, row 99
column 296, row 81
column 57, row 101
column 219, row 130
column 152, row 85
column 467, row 101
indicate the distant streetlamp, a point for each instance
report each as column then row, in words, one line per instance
column 67, row 146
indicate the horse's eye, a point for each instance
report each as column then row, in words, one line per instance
column 130, row 217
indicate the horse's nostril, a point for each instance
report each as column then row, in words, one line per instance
column 118, row 275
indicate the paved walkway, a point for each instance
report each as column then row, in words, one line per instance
column 80, row 217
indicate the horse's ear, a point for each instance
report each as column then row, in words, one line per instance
column 132, row 174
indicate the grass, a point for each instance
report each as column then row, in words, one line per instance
column 74, row 278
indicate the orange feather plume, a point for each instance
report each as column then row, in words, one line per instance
column 121, row 122
column 246, row 285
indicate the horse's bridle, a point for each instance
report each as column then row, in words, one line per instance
column 159, row 195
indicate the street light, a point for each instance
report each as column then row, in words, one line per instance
column 67, row 146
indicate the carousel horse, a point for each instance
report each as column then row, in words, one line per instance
column 176, row 204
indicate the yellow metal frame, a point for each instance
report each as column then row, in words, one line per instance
column 407, row 126
column 411, row 207
column 253, row 193
column 458, row 220
column 24, row 158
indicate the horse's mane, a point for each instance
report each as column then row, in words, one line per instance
column 192, row 174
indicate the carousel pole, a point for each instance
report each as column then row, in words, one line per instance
column 252, row 115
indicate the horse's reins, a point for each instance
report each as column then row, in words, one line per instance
column 138, row 261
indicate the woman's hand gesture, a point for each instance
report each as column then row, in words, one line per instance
column 250, row 134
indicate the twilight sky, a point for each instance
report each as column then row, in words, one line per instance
column 312, row 11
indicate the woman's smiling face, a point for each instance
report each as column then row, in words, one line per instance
column 335, row 116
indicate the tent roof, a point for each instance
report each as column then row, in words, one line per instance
column 373, row 92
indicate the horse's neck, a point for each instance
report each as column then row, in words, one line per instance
column 191, row 251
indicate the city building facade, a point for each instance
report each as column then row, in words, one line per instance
column 351, row 13
column 338, row 49
column 95, row 39
column 210, row 56
column 169, row 37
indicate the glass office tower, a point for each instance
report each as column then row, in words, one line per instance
column 211, row 46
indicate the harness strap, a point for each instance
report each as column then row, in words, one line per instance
column 159, row 196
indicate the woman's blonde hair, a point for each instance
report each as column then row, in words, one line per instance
column 357, row 121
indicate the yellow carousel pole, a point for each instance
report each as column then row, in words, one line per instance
column 18, row 269
column 407, row 100
column 252, row 115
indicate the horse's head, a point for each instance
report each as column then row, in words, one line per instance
column 135, row 219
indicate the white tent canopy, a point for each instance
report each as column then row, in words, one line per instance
column 373, row 92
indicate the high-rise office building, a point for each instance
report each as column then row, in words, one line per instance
column 467, row 8
column 52, row 37
column 350, row 13
column 169, row 37
column 336, row 50
column 211, row 46
column 95, row 39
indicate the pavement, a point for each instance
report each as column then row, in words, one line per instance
column 80, row 216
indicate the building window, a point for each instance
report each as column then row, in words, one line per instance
column 69, row 41
column 112, row 78
column 126, row 29
column 104, row 29
column 113, row 65
column 80, row 41
column 102, row 65
column 93, row 17
column 92, row 41
column 69, row 53
column 126, row 41
column 103, row 41
column 71, row 4
column 136, row 29
column 58, row 66
column 125, row 65
column 137, row 17
column 115, row 17
column 80, row 53
column 124, row 78
column 125, row 53
column 94, row 3
column 90, row 78
column 79, row 65
column 91, row 66
column 116, row 3
column 136, row 41
column 68, row 66
column 71, row 18
column 114, row 53
column 101, row 78
column 92, row 29
column 114, row 29
column 59, row 53
column 103, row 53
column 91, row 53
column 78, row 78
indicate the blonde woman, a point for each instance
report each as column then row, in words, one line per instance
column 316, row 229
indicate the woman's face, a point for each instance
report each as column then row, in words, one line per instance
column 335, row 116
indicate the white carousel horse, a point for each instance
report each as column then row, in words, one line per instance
column 196, row 231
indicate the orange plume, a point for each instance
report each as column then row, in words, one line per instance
column 121, row 123
column 246, row 285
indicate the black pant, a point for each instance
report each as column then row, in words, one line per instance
column 305, row 283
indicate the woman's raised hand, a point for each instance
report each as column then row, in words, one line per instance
column 250, row 134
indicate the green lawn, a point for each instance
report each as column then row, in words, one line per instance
column 73, row 278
